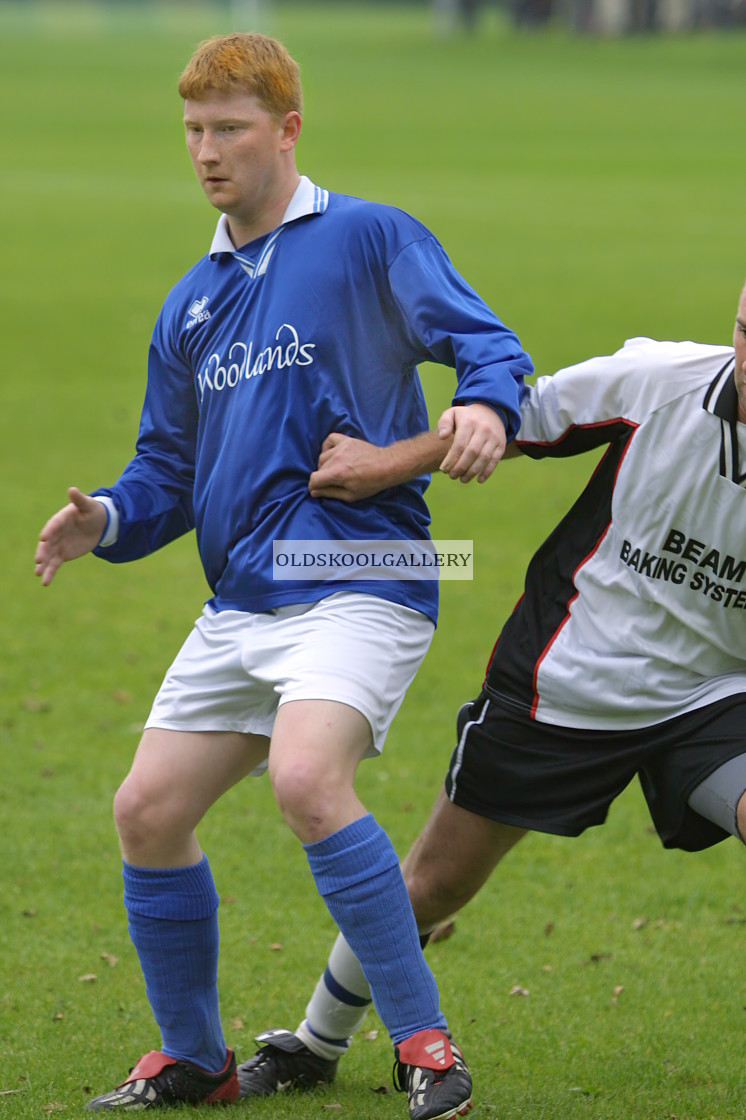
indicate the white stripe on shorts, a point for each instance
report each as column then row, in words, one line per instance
column 459, row 759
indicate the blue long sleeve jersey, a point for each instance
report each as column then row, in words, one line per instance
column 259, row 353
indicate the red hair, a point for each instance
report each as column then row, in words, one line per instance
column 244, row 62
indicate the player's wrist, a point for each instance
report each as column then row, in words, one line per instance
column 110, row 533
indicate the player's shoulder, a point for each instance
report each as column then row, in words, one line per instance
column 362, row 214
column 635, row 381
column 651, row 349
column 684, row 365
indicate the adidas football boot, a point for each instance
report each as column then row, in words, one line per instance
column 431, row 1069
column 158, row 1081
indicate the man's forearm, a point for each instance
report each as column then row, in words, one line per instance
column 351, row 469
column 422, row 454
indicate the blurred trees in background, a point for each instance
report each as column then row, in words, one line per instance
column 603, row 17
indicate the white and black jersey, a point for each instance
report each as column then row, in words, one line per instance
column 634, row 608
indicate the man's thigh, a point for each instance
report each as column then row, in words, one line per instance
column 561, row 780
column 183, row 773
column 174, row 779
column 207, row 689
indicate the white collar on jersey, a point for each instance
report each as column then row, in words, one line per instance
column 307, row 199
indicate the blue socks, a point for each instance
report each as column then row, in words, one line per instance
column 173, row 924
column 172, row 915
column 357, row 874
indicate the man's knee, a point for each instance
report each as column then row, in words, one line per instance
column 295, row 785
column 134, row 813
column 452, row 858
column 316, row 747
column 144, row 815
column 307, row 795
column 435, row 894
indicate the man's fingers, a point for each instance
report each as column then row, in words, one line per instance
column 460, row 458
column 332, row 492
column 47, row 573
column 329, row 447
column 482, row 465
column 45, row 568
column 491, row 463
column 472, row 461
column 320, row 486
column 446, row 424
column 332, row 440
column 82, row 502
column 77, row 498
column 478, row 442
column 325, row 484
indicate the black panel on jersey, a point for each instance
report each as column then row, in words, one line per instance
column 549, row 584
column 578, row 439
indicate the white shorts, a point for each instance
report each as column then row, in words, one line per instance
column 236, row 668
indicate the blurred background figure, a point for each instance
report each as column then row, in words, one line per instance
column 718, row 13
column 643, row 15
column 250, row 15
column 456, row 15
column 639, row 17
column 531, row 13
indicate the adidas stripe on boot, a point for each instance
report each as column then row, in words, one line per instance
column 431, row 1069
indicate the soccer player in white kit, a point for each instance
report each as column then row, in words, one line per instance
column 625, row 656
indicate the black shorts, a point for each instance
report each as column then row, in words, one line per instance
column 562, row 780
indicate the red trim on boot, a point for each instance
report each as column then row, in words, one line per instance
column 229, row 1089
column 154, row 1062
column 149, row 1065
column 430, row 1049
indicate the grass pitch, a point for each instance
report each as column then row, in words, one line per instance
column 590, row 190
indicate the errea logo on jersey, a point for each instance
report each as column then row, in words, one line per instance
column 197, row 312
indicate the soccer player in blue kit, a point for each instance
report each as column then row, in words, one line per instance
column 308, row 315
column 625, row 656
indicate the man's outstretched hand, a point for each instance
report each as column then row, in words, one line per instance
column 71, row 532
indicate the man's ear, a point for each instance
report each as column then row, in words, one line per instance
column 291, row 126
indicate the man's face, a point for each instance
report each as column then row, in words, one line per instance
column 236, row 148
column 739, row 342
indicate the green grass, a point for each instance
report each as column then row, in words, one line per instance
column 590, row 190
